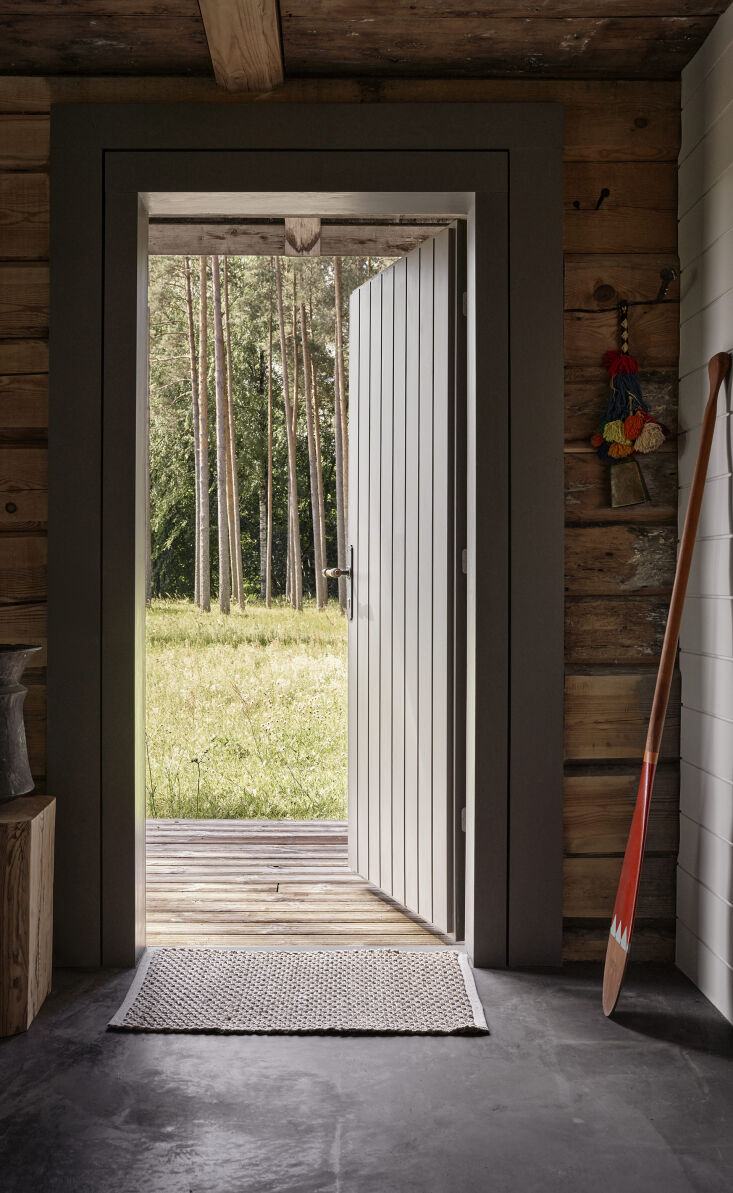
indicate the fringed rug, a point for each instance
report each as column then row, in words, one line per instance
column 350, row 990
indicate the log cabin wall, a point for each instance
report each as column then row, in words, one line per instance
column 621, row 138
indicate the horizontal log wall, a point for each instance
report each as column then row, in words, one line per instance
column 621, row 137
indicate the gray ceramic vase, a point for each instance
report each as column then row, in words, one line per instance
column 15, row 773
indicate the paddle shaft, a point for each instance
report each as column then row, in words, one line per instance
column 625, row 906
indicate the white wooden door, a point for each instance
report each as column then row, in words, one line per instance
column 401, row 527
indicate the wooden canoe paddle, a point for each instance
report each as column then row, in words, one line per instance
column 619, row 940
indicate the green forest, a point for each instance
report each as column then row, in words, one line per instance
column 248, row 427
column 248, row 495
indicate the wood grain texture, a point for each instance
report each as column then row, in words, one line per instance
column 82, row 43
column 612, row 121
column 619, row 560
column 586, row 397
column 24, row 301
column 606, row 717
column 590, row 886
column 637, row 215
column 18, row 357
column 339, row 240
column 614, row 630
column 599, row 805
column 265, row 882
column 26, row 623
column 587, row 939
column 22, row 568
column 26, row 909
column 23, row 216
column 595, row 281
column 588, row 490
column 23, row 488
column 24, row 142
column 654, row 335
column 328, row 39
column 244, row 43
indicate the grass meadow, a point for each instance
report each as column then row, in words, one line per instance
column 246, row 713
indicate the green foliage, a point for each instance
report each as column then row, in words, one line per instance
column 172, row 501
column 246, row 713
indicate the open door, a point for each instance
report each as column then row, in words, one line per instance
column 402, row 529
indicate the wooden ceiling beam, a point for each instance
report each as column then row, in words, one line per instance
column 244, row 43
column 336, row 240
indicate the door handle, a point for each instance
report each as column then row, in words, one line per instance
column 347, row 573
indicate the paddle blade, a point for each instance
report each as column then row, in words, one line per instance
column 624, row 910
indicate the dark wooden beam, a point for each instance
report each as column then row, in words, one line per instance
column 244, row 43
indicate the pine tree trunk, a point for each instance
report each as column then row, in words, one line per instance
column 319, row 476
column 340, row 523
column 342, row 385
column 268, row 565
column 315, row 513
column 221, row 442
column 263, row 538
column 235, row 535
column 196, row 435
column 295, row 567
column 205, row 563
column 148, row 545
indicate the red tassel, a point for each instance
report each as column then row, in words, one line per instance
column 620, row 362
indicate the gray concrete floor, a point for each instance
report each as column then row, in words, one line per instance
column 557, row 1098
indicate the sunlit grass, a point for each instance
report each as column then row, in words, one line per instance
column 246, row 714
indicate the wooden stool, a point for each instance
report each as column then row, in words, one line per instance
column 26, row 908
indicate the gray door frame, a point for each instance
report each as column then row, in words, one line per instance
column 505, row 160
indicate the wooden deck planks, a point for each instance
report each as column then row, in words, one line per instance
column 255, row 882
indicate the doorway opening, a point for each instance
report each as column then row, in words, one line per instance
column 255, row 833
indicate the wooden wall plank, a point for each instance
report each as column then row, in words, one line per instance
column 595, row 281
column 23, row 488
column 599, row 807
column 22, row 569
column 23, row 216
column 605, row 121
column 586, row 396
column 590, row 886
column 587, row 940
column 24, row 142
column 606, row 717
column 618, row 560
column 638, row 215
column 26, row 623
column 588, row 490
column 23, row 402
column 19, row 357
column 614, row 630
column 23, row 301
column 654, row 335
column 74, row 43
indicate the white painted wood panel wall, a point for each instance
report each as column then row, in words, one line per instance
column 705, row 871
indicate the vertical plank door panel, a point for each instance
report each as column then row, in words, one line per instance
column 401, row 501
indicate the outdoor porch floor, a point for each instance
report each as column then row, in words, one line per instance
column 265, row 882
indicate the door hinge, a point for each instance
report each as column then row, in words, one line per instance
column 464, row 561
column 464, row 303
column 463, row 820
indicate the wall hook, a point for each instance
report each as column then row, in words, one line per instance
column 667, row 276
column 603, row 195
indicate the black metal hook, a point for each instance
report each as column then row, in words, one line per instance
column 667, row 276
column 603, row 195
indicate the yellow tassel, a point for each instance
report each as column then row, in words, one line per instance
column 613, row 432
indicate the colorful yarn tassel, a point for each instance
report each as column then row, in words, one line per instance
column 628, row 427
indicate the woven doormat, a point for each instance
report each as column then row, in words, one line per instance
column 360, row 990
